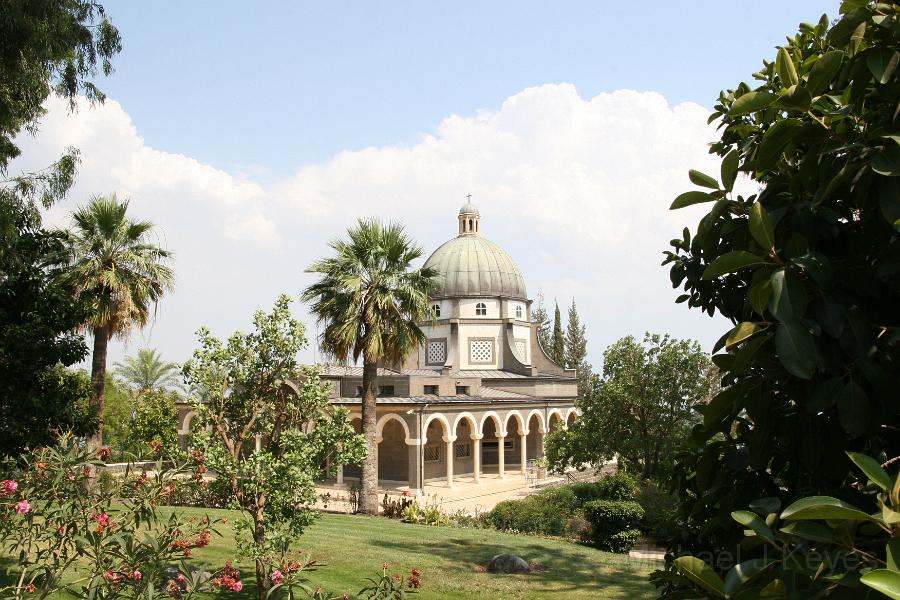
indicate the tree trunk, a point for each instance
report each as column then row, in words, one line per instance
column 98, row 383
column 259, row 538
column 369, row 485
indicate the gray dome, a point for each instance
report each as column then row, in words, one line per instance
column 469, row 209
column 471, row 266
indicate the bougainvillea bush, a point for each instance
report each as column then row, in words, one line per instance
column 65, row 531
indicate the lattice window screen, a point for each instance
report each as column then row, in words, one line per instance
column 481, row 351
column 520, row 350
column 432, row 453
column 437, row 352
column 462, row 450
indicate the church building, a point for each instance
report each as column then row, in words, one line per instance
column 477, row 399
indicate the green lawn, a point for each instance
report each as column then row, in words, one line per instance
column 354, row 547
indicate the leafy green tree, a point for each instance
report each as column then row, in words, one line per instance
column 120, row 273
column 558, row 343
column 155, row 419
column 576, row 349
column 48, row 46
column 148, row 371
column 807, row 270
column 255, row 390
column 641, row 408
column 118, row 413
column 371, row 303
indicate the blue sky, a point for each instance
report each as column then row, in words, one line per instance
column 275, row 84
column 252, row 133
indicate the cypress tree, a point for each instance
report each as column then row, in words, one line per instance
column 576, row 348
column 558, row 344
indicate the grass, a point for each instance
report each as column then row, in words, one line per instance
column 352, row 548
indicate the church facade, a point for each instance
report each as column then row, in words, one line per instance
column 476, row 400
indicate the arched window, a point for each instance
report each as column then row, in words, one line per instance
column 518, row 312
column 480, row 309
column 436, row 309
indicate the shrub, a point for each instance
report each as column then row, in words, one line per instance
column 621, row 486
column 562, row 499
column 614, row 523
column 660, row 510
column 530, row 515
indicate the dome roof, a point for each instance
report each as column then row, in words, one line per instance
column 469, row 209
column 470, row 266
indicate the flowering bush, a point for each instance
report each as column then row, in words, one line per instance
column 67, row 532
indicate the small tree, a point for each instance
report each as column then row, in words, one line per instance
column 558, row 342
column 540, row 316
column 148, row 371
column 806, row 270
column 255, row 390
column 155, row 420
column 576, row 349
column 641, row 409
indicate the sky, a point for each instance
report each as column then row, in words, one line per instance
column 252, row 134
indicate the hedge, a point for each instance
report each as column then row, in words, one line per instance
column 614, row 523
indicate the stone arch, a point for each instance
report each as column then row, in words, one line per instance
column 393, row 452
column 522, row 425
column 187, row 420
column 498, row 422
column 559, row 421
column 448, row 431
column 467, row 416
column 571, row 415
column 379, row 426
column 542, row 426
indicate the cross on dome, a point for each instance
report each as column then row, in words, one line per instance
column 469, row 218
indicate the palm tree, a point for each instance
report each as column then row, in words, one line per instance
column 148, row 371
column 120, row 273
column 370, row 304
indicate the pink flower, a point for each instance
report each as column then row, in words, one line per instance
column 181, row 578
column 110, row 575
column 237, row 586
column 277, row 577
column 102, row 518
column 8, row 487
column 137, row 575
column 22, row 507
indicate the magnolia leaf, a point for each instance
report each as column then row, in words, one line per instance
column 883, row 580
column 774, row 141
column 795, row 98
column 743, row 572
column 759, row 294
column 761, row 227
column 872, row 469
column 775, row 589
column 730, row 262
column 767, row 505
column 882, row 63
column 893, row 554
column 754, row 522
column 789, row 300
column 693, row 197
column 796, row 349
column 702, row 574
column 823, row 71
column 729, row 169
column 743, row 331
column 887, row 161
column 809, row 530
column 787, row 72
column 825, row 508
column 702, row 179
column 751, row 102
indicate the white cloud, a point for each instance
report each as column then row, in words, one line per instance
column 577, row 190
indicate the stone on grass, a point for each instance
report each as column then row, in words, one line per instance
column 508, row 563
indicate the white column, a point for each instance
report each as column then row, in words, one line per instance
column 476, row 456
column 501, row 451
column 523, row 451
column 340, row 475
column 258, row 442
column 449, row 442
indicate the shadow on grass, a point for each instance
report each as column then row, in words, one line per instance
column 580, row 568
